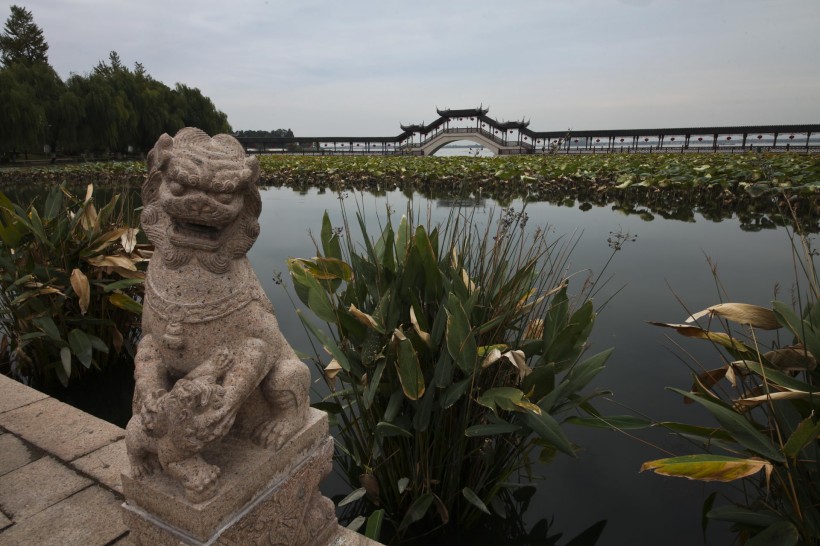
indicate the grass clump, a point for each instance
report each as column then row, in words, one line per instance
column 453, row 350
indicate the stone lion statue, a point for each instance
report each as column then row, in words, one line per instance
column 211, row 359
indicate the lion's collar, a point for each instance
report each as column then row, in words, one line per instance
column 241, row 295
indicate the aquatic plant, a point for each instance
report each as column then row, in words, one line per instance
column 452, row 351
column 70, row 287
column 765, row 400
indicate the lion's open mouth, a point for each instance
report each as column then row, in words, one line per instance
column 195, row 235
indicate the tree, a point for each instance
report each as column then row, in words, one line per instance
column 22, row 40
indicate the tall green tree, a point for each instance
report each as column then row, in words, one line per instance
column 22, row 40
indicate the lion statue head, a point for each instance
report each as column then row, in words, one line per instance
column 201, row 200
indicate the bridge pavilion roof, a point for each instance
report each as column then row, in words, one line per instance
column 464, row 113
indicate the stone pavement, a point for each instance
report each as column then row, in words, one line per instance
column 59, row 472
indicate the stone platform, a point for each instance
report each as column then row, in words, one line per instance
column 264, row 496
column 60, row 474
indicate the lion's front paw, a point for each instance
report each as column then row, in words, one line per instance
column 275, row 432
column 144, row 467
column 198, row 477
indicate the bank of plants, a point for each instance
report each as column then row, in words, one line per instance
column 450, row 353
column 70, row 286
column 765, row 399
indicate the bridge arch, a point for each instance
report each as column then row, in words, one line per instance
column 442, row 139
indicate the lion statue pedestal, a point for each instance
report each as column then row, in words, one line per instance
column 223, row 445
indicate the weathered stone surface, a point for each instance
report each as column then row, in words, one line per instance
column 36, row 486
column 105, row 465
column 247, row 469
column 14, row 453
column 88, row 518
column 14, row 395
column 223, row 446
column 290, row 511
column 60, row 429
column 212, row 358
column 4, row 522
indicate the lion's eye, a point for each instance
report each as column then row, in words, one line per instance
column 224, row 198
column 176, row 188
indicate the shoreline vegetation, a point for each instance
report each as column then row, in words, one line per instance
column 763, row 189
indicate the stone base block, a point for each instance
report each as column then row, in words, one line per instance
column 264, row 497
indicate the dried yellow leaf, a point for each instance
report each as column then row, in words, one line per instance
column 81, row 286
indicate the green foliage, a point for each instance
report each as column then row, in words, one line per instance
column 70, row 287
column 112, row 109
column 282, row 133
column 766, row 404
column 454, row 348
column 22, row 41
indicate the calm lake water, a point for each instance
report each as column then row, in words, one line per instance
column 667, row 259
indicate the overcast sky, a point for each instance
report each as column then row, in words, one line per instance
column 360, row 68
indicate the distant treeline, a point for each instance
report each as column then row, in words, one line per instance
column 112, row 109
column 265, row 134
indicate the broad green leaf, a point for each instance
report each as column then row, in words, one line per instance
column 53, row 203
column 473, row 499
column 461, row 343
column 705, row 433
column 803, row 329
column 81, row 346
column 120, row 284
column 781, row 379
column 424, row 409
column 329, row 345
column 327, row 269
column 707, row 467
column 330, row 240
column 403, row 235
column 615, row 422
column 583, row 372
column 454, row 392
column 507, row 398
column 781, row 533
column 432, row 275
column 549, row 430
column 65, row 358
column 738, row 426
column 374, row 383
column 46, row 324
column 122, row 301
column 540, row 382
column 310, row 291
column 37, row 227
column 409, row 370
column 491, row 429
column 374, row 524
column 738, row 514
column 417, row 510
column 386, row 430
column 11, row 228
column 807, row 432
